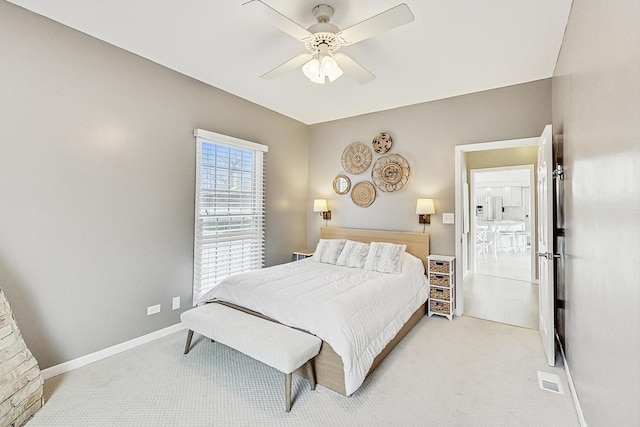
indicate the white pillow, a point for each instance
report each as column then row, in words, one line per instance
column 354, row 254
column 328, row 250
column 385, row 257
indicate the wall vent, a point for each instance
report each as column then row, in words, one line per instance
column 550, row 382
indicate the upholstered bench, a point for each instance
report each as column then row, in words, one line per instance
column 271, row 343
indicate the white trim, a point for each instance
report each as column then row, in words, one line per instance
column 460, row 149
column 495, row 145
column 229, row 140
column 574, row 394
column 109, row 351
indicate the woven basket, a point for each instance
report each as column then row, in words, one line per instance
column 440, row 280
column 363, row 194
column 356, row 158
column 439, row 266
column 442, row 294
column 439, row 307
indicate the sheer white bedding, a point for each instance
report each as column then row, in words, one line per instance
column 356, row 311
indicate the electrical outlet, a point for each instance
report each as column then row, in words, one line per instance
column 175, row 304
column 153, row 309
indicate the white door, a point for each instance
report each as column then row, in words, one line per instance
column 545, row 245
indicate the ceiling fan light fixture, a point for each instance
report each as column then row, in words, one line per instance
column 313, row 71
column 321, row 67
column 318, row 78
column 312, row 68
column 335, row 73
column 328, row 64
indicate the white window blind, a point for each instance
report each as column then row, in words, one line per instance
column 229, row 211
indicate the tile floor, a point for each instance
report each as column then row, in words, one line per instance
column 509, row 265
column 501, row 291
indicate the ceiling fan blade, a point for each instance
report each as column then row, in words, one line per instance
column 279, row 20
column 392, row 18
column 291, row 64
column 353, row 69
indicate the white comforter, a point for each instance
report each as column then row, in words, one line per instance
column 356, row 311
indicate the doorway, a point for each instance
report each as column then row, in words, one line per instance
column 500, row 284
column 496, row 268
column 501, row 222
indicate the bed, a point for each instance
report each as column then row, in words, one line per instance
column 360, row 314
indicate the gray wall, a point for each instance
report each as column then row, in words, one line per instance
column 426, row 135
column 97, row 184
column 596, row 111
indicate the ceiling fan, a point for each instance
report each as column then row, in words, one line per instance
column 323, row 39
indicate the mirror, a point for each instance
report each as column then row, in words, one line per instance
column 341, row 184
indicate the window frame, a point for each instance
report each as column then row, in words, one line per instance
column 254, row 246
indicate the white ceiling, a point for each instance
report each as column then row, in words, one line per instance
column 452, row 47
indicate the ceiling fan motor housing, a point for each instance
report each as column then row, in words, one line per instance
column 324, row 32
column 322, row 12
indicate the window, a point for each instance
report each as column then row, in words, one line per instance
column 229, row 211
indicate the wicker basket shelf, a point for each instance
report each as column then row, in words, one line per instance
column 442, row 290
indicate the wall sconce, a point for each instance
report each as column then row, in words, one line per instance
column 320, row 205
column 424, row 209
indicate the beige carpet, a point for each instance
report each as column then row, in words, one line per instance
column 468, row 372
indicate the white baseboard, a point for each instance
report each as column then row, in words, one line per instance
column 574, row 394
column 109, row 351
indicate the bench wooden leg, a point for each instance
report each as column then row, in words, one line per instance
column 287, row 391
column 311, row 374
column 188, row 344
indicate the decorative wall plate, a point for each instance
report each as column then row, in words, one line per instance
column 363, row 193
column 356, row 158
column 382, row 143
column 390, row 173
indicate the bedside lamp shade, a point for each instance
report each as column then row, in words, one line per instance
column 424, row 208
column 320, row 205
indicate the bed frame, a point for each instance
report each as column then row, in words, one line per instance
column 328, row 365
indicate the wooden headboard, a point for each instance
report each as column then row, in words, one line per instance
column 417, row 243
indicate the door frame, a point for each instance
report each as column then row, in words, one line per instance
column 461, row 232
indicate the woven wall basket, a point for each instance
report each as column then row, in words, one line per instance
column 356, row 158
column 363, row 194
column 390, row 173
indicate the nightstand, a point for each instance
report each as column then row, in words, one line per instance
column 441, row 285
column 305, row 253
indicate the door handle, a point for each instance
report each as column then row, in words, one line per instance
column 548, row 255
